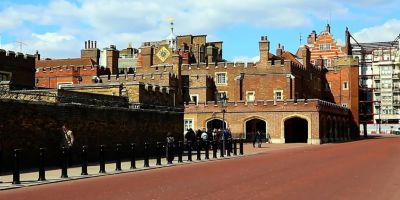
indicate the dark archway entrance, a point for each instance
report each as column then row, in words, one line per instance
column 254, row 125
column 215, row 123
column 296, row 130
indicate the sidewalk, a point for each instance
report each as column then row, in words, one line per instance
column 53, row 175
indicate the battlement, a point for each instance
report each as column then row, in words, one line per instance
column 11, row 56
column 66, row 68
column 137, row 77
column 345, row 61
column 270, row 105
column 242, row 65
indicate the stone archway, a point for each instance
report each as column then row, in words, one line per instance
column 252, row 125
column 296, row 130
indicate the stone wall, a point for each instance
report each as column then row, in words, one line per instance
column 30, row 125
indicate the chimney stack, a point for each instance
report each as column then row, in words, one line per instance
column 264, row 49
column 279, row 50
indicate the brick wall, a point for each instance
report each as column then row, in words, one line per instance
column 30, row 125
column 21, row 67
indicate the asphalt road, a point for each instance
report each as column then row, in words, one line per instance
column 367, row 169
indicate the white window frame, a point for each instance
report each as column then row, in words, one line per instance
column 197, row 97
column 345, row 85
column 217, row 81
column 247, row 96
column 276, row 96
column 188, row 125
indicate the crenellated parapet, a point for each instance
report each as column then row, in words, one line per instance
column 165, row 79
column 66, row 68
column 16, row 58
column 315, row 105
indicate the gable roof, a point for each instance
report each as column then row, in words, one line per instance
column 65, row 62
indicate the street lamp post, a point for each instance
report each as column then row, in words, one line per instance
column 223, row 100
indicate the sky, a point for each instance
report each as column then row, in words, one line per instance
column 58, row 28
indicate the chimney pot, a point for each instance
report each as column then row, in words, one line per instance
column 262, row 38
column 85, row 44
column 92, row 45
column 95, row 44
column 89, row 44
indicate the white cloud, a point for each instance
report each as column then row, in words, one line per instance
column 123, row 21
column 246, row 59
column 380, row 33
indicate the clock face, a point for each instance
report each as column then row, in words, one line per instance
column 163, row 54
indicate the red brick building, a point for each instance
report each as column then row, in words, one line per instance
column 282, row 95
column 51, row 73
column 342, row 79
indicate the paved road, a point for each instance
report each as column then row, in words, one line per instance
column 368, row 169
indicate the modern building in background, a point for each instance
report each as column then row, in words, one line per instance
column 380, row 85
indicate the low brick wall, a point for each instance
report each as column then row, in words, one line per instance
column 30, row 125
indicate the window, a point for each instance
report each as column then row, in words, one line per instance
column 278, row 94
column 188, row 123
column 250, row 96
column 5, row 76
column 325, row 46
column 194, row 98
column 221, row 95
column 344, row 105
column 345, row 85
column 221, row 78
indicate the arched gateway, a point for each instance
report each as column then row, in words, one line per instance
column 215, row 124
column 296, row 130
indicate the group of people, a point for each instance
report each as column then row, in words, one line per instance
column 215, row 134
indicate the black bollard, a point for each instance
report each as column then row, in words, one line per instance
column 146, row 154
column 235, row 147
column 158, row 152
column 102, row 159
column 16, row 170
column 42, row 164
column 214, row 147
column 64, row 169
column 133, row 156
column 206, row 148
column 189, row 149
column 198, row 150
column 241, row 146
column 170, row 152
column 228, row 147
column 84, row 160
column 1, row 162
column 118, row 157
column 180, row 151
column 221, row 152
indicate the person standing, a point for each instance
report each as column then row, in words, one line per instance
column 67, row 141
column 258, row 138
